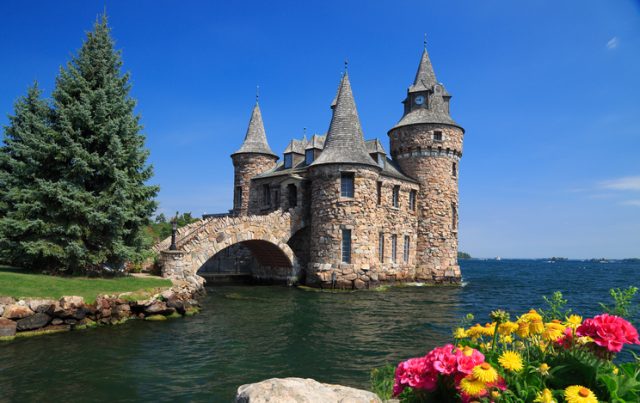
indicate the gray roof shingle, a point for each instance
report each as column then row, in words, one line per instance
column 344, row 143
column 255, row 141
column 425, row 76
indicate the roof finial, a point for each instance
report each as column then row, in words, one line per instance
column 257, row 93
column 425, row 41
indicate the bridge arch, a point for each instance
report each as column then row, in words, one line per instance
column 265, row 236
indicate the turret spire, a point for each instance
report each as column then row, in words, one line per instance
column 425, row 76
column 345, row 142
column 255, row 141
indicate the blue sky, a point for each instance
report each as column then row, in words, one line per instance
column 547, row 91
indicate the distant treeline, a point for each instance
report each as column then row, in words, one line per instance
column 464, row 255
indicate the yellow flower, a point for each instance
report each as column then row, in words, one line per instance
column 579, row 394
column 485, row 373
column 573, row 321
column 506, row 339
column 467, row 351
column 615, row 370
column 553, row 331
column 584, row 340
column 488, row 329
column 545, row 396
column 495, row 395
column 475, row 331
column 472, row 386
column 459, row 333
column 507, row 328
column 536, row 327
column 523, row 330
column 512, row 361
column 544, row 369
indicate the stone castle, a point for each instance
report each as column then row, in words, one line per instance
column 369, row 216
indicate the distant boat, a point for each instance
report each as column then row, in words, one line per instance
column 498, row 258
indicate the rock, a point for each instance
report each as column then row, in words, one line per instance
column 41, row 305
column 156, row 317
column 295, row 390
column 167, row 294
column 7, row 301
column 122, row 311
column 71, row 302
column 71, row 321
column 7, row 327
column 1, row 310
column 156, row 308
column 177, row 305
column 35, row 321
column 359, row 284
column 57, row 321
column 17, row 312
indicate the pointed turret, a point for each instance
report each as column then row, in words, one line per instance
column 345, row 143
column 255, row 141
column 425, row 76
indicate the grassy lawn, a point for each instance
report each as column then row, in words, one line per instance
column 18, row 283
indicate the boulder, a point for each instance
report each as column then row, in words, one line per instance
column 41, row 305
column 71, row 302
column 7, row 301
column 156, row 308
column 7, row 327
column 296, row 390
column 57, row 321
column 16, row 311
column 35, row 321
column 176, row 304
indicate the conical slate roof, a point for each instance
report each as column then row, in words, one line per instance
column 345, row 143
column 425, row 76
column 255, row 141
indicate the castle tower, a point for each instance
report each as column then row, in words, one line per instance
column 343, row 198
column 253, row 157
column 427, row 144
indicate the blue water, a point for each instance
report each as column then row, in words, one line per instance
column 250, row 333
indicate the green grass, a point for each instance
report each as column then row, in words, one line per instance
column 19, row 283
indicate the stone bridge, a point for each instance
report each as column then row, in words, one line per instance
column 266, row 236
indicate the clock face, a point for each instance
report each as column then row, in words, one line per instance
column 419, row 100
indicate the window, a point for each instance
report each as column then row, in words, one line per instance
column 406, row 249
column 381, row 247
column 437, row 136
column 454, row 217
column 380, row 159
column 238, row 197
column 346, row 184
column 276, row 198
column 288, row 160
column 379, row 189
column 266, row 195
column 412, row 200
column 396, row 196
column 308, row 156
column 346, row 245
column 292, row 195
column 454, row 170
column 394, row 247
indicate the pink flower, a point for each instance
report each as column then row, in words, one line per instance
column 467, row 359
column 609, row 331
column 417, row 373
column 566, row 340
column 443, row 359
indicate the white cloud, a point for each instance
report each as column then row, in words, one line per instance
column 635, row 203
column 613, row 43
column 626, row 183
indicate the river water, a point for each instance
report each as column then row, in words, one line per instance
column 249, row 333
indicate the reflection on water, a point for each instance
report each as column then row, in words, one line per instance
column 249, row 333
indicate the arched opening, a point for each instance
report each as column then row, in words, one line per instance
column 255, row 260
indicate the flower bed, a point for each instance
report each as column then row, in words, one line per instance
column 525, row 360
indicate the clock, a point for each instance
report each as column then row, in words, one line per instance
column 419, row 100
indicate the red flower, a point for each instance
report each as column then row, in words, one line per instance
column 609, row 331
column 443, row 359
column 417, row 373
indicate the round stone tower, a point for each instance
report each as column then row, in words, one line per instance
column 343, row 200
column 254, row 157
column 427, row 144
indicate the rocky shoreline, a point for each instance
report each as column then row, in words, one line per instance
column 35, row 316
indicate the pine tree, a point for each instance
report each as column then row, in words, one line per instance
column 28, row 237
column 102, row 192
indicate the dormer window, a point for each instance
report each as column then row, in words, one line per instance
column 308, row 156
column 288, row 160
column 381, row 161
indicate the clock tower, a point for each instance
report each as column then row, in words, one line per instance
column 427, row 145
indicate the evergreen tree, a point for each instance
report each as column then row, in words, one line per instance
column 101, row 192
column 28, row 236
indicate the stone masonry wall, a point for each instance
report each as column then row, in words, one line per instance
column 432, row 162
column 246, row 166
column 331, row 213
